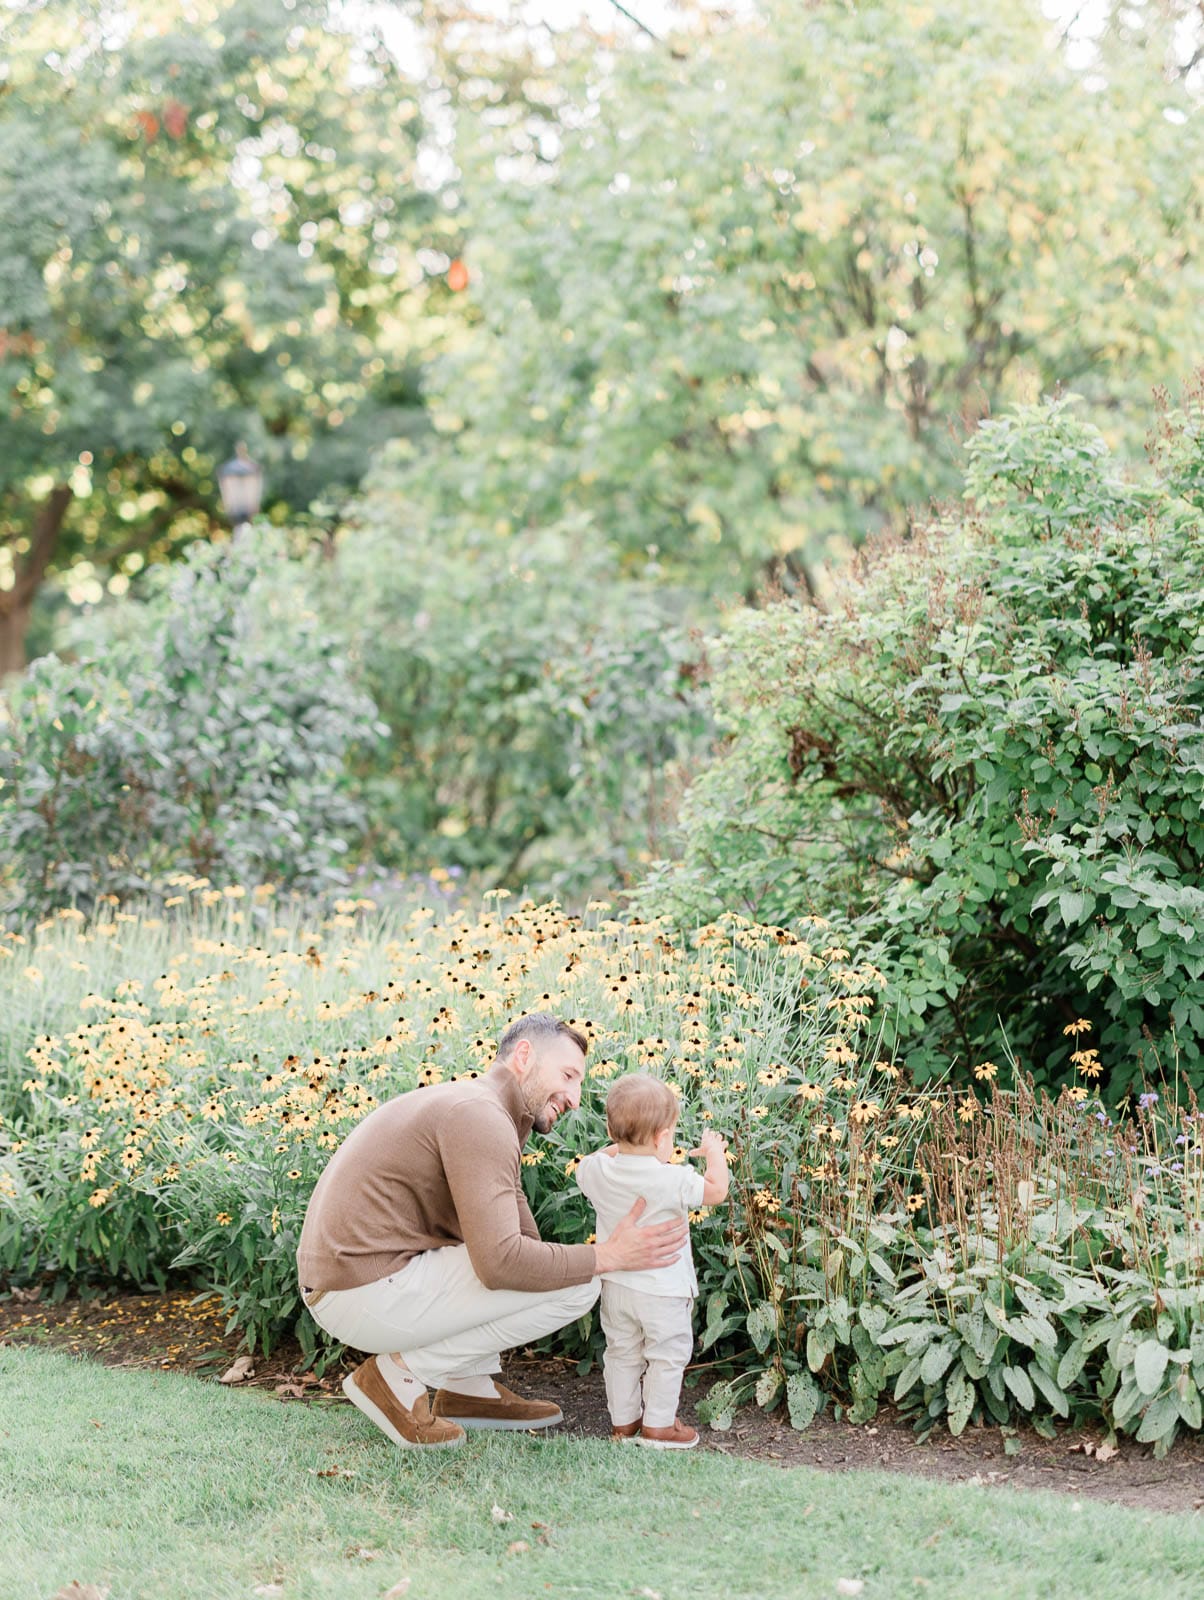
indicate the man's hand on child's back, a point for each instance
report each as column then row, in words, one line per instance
column 631, row 1248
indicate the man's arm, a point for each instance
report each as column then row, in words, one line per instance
column 527, row 1225
column 480, row 1155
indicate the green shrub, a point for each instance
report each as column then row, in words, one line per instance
column 542, row 702
column 985, row 758
column 206, row 731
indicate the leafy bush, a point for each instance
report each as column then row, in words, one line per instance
column 965, row 1253
column 985, row 759
column 209, row 732
column 542, row 702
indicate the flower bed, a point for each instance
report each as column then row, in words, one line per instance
column 171, row 1086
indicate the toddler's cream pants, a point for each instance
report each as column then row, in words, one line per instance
column 649, row 1340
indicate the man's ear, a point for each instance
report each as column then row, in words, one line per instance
column 521, row 1058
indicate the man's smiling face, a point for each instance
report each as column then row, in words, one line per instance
column 551, row 1074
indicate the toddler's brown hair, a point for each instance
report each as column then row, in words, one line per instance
column 638, row 1107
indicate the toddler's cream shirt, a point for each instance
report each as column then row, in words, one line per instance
column 613, row 1184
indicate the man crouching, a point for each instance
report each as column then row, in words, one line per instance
column 419, row 1245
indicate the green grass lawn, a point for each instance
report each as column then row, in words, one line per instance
column 165, row 1488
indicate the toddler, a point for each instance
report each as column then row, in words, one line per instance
column 646, row 1315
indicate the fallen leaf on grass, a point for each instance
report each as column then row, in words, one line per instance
column 849, row 1585
column 243, row 1368
column 334, row 1471
column 76, row 1590
column 362, row 1552
column 269, row 1591
column 518, row 1548
column 499, row 1515
column 290, row 1391
column 398, row 1589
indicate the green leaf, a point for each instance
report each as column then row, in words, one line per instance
column 802, row 1399
column 1149, row 1364
column 935, row 1362
column 1042, row 1380
column 762, row 1324
column 1071, row 1365
column 769, row 1388
column 960, row 1397
column 718, row 1408
column 1017, row 1380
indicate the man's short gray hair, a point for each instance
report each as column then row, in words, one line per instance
column 539, row 1027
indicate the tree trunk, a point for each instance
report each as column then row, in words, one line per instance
column 16, row 603
column 14, row 624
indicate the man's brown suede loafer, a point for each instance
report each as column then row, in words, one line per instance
column 505, row 1410
column 411, row 1427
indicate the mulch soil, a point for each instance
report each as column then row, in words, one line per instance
column 170, row 1332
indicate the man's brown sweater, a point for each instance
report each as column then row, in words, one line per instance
column 432, row 1168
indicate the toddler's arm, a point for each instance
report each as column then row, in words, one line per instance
column 715, row 1178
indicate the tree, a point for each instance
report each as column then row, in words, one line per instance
column 210, row 216
column 740, row 300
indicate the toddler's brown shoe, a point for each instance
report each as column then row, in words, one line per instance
column 411, row 1427
column 505, row 1410
column 678, row 1437
column 625, row 1430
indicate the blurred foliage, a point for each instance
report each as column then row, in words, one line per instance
column 985, row 761
column 211, row 219
column 209, row 733
column 737, row 298
column 543, row 707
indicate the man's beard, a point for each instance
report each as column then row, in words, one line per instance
column 543, row 1120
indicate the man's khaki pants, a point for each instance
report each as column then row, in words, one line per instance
column 442, row 1320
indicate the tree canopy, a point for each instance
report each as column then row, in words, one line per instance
column 211, row 219
column 741, row 300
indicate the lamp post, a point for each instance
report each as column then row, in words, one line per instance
column 240, row 481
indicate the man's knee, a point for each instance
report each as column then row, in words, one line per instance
column 582, row 1297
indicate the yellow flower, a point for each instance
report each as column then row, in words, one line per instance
column 888, row 1067
column 985, row 1071
column 1074, row 1028
column 1087, row 1062
column 223, row 1219
column 968, row 1109
column 915, row 1202
column 864, row 1111
column 1076, row 1093
column 809, row 1091
column 99, row 1196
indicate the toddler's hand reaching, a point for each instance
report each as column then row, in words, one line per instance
column 711, row 1144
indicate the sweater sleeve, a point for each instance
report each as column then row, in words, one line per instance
column 479, row 1150
column 527, row 1225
